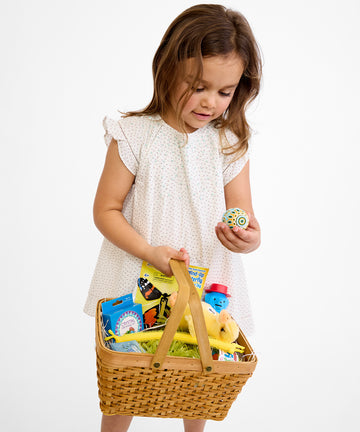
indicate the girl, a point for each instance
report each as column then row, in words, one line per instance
column 173, row 168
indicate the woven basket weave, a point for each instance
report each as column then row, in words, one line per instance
column 166, row 386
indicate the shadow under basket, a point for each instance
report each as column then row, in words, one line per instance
column 158, row 385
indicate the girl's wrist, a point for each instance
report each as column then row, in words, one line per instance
column 148, row 252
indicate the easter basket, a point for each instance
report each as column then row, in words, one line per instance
column 158, row 385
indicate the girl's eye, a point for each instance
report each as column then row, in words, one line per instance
column 225, row 94
column 198, row 90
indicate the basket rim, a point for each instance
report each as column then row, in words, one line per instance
column 118, row 359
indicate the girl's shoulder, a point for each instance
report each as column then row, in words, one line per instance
column 141, row 120
column 131, row 134
column 131, row 128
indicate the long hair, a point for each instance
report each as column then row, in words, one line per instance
column 207, row 30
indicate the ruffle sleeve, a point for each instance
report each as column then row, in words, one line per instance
column 232, row 166
column 128, row 152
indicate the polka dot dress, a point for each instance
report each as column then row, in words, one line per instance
column 177, row 200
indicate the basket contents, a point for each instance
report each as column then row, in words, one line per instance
column 129, row 346
column 217, row 296
column 153, row 290
column 177, row 348
column 226, row 356
column 127, row 326
column 219, row 325
column 122, row 315
column 184, row 337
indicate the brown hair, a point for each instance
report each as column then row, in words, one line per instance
column 207, row 30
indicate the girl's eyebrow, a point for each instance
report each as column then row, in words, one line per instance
column 230, row 86
column 225, row 86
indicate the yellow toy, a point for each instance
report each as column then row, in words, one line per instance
column 220, row 326
column 183, row 337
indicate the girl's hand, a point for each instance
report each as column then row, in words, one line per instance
column 238, row 239
column 160, row 257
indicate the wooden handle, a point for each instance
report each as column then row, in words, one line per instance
column 187, row 294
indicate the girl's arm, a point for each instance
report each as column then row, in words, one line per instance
column 238, row 194
column 114, row 185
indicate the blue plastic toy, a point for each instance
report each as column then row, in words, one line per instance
column 217, row 297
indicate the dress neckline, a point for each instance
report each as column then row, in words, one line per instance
column 175, row 131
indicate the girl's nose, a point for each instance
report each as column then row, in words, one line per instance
column 208, row 101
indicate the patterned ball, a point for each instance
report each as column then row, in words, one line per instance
column 236, row 217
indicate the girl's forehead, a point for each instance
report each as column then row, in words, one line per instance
column 224, row 70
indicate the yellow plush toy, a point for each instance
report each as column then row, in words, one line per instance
column 220, row 326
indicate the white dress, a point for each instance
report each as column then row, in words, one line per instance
column 177, row 200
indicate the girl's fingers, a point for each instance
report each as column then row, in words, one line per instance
column 242, row 234
column 225, row 242
column 236, row 239
column 181, row 255
column 239, row 239
column 162, row 256
column 229, row 239
column 186, row 256
column 233, row 235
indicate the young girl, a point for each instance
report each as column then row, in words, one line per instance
column 173, row 168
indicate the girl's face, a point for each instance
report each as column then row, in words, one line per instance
column 211, row 98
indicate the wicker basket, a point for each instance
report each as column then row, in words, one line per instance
column 165, row 386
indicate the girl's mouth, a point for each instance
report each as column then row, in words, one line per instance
column 201, row 116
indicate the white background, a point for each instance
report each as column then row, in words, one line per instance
column 64, row 66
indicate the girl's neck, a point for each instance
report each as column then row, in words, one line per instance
column 171, row 120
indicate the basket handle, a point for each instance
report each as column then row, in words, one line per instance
column 187, row 294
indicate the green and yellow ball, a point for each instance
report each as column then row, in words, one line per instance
column 236, row 217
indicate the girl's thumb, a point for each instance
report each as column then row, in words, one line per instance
column 179, row 255
column 184, row 256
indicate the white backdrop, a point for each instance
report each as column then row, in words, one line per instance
column 64, row 66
